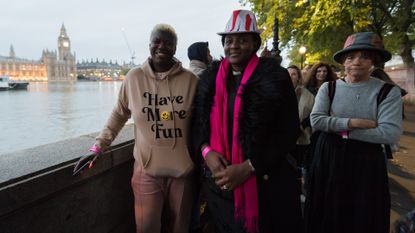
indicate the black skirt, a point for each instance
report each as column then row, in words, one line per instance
column 348, row 188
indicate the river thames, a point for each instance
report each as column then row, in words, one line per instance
column 50, row 112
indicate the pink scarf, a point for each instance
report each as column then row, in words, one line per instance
column 245, row 196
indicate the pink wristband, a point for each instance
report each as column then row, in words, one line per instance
column 206, row 150
column 95, row 149
column 344, row 134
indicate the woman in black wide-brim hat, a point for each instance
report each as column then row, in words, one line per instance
column 246, row 122
column 348, row 189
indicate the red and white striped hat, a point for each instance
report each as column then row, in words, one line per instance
column 241, row 21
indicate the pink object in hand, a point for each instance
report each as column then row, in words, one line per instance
column 95, row 149
column 344, row 134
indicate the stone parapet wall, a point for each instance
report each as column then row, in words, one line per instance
column 49, row 199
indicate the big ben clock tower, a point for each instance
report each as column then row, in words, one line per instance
column 61, row 66
column 64, row 44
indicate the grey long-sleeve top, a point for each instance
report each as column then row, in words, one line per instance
column 358, row 100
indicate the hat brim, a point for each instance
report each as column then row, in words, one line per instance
column 259, row 31
column 384, row 54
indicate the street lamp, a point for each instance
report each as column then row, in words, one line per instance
column 302, row 51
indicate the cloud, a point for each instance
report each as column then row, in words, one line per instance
column 94, row 26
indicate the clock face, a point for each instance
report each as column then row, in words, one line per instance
column 65, row 44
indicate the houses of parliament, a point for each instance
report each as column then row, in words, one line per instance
column 52, row 66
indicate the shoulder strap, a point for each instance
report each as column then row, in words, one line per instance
column 384, row 91
column 332, row 91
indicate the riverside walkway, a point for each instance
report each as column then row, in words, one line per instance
column 402, row 169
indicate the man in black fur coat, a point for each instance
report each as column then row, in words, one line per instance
column 245, row 123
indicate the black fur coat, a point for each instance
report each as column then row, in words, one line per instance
column 268, row 130
column 269, row 124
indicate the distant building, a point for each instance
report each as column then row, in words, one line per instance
column 22, row 69
column 99, row 70
column 402, row 76
column 51, row 66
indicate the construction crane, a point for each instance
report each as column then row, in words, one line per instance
column 132, row 53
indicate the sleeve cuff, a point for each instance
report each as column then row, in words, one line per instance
column 342, row 124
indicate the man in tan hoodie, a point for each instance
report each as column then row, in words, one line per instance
column 159, row 97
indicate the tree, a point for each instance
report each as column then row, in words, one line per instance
column 323, row 25
column 395, row 20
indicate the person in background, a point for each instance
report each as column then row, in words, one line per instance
column 199, row 56
column 305, row 101
column 349, row 190
column 306, row 69
column 318, row 74
column 159, row 97
column 265, row 52
column 295, row 75
column 246, row 123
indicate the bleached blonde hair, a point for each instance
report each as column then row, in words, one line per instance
column 162, row 27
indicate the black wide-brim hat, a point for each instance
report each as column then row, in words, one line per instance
column 363, row 41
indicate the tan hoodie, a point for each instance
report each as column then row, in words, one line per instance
column 161, row 110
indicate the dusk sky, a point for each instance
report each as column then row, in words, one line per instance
column 95, row 26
